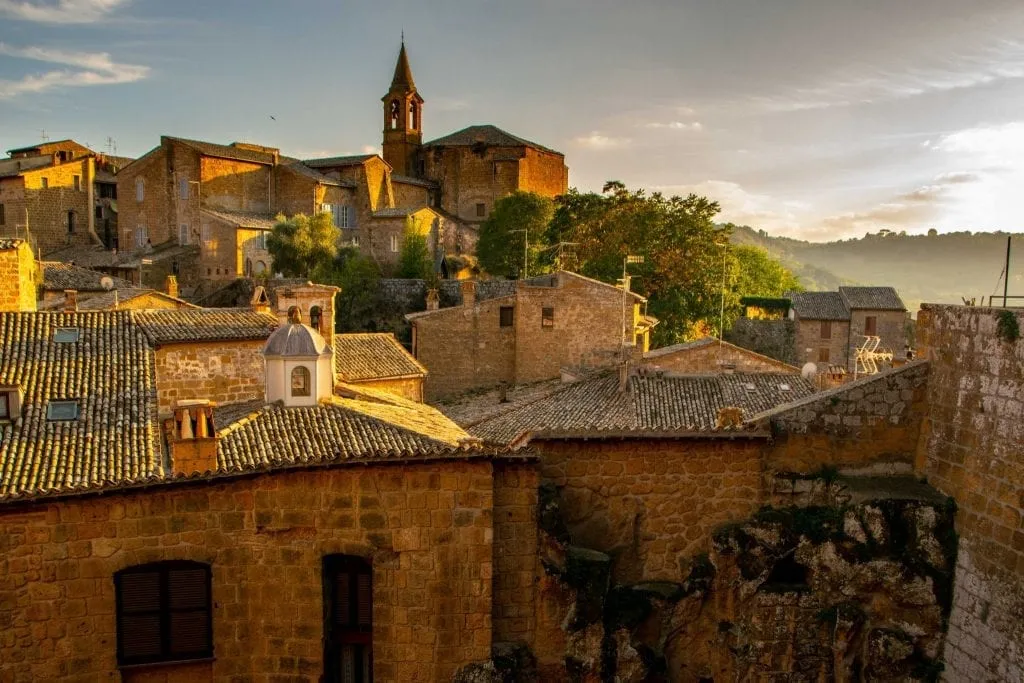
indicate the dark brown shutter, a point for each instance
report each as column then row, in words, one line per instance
column 343, row 599
column 187, row 589
column 190, row 632
column 140, row 618
column 364, row 599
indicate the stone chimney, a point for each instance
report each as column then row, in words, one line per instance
column 70, row 300
column 433, row 300
column 171, row 286
column 192, row 438
column 468, row 288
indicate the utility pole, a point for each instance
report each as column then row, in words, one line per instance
column 1006, row 271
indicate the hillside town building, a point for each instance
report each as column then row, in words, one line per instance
column 546, row 324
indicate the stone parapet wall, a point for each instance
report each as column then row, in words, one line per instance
column 971, row 450
column 222, row 372
column 773, row 338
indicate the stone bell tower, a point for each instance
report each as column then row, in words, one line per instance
column 403, row 119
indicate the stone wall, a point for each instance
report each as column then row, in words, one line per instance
column 652, row 504
column 712, row 357
column 222, row 372
column 890, row 326
column 235, row 185
column 409, row 387
column 515, row 551
column 19, row 275
column 426, row 529
column 809, row 343
column 971, row 450
column 154, row 211
column 47, row 208
column 773, row 338
column 871, row 421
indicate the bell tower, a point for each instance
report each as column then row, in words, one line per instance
column 403, row 119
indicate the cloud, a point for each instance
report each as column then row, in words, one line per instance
column 90, row 68
column 743, row 207
column 598, row 141
column 675, row 125
column 370, row 149
column 999, row 60
column 60, row 11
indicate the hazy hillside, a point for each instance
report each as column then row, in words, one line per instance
column 938, row 269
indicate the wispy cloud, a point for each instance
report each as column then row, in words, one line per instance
column 744, row 207
column 60, row 11
column 1000, row 60
column 89, row 69
column 599, row 141
column 675, row 125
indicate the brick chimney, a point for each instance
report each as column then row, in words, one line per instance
column 192, row 438
column 70, row 300
column 171, row 286
column 468, row 289
column 433, row 300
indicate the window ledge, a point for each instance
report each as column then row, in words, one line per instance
column 170, row 662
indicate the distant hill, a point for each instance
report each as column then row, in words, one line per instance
column 922, row 268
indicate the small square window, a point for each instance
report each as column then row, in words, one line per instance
column 506, row 316
column 66, row 335
column 62, row 411
column 481, row 210
column 547, row 317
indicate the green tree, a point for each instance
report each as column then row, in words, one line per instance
column 751, row 271
column 414, row 262
column 500, row 249
column 358, row 277
column 303, row 246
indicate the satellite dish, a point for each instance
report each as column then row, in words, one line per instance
column 809, row 370
column 107, row 282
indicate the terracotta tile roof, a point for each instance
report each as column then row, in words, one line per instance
column 204, row 324
column 38, row 145
column 109, row 371
column 373, row 356
column 654, row 405
column 212, row 149
column 819, row 305
column 90, row 257
column 326, row 162
column 872, row 298
column 340, row 430
column 243, row 219
column 58, row 276
column 392, row 212
column 296, row 166
column 488, row 135
column 409, row 180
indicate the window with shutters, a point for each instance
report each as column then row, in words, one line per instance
column 506, row 316
column 871, row 325
column 823, row 355
column 826, row 329
column 348, row 619
column 163, row 613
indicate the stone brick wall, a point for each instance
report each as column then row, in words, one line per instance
column 652, row 504
column 47, row 208
column 155, row 210
column 544, row 173
column 249, row 254
column 235, row 185
column 410, row 196
column 515, row 551
column 809, row 343
column 773, row 338
column 889, row 325
column 427, row 530
column 409, row 387
column 970, row 449
column 19, row 275
column 183, row 207
column 711, row 357
column 222, row 372
column 874, row 420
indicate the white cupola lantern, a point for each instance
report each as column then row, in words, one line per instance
column 299, row 365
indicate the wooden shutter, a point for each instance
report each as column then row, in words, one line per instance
column 364, row 600
column 871, row 326
column 140, row 615
column 343, row 599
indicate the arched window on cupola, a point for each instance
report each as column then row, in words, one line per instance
column 300, row 381
column 316, row 316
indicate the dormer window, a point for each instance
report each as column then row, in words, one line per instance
column 66, row 335
column 10, row 403
column 5, row 405
column 62, row 411
column 300, row 381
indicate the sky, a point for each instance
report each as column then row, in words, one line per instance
column 816, row 119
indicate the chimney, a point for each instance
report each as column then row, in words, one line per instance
column 433, row 300
column 171, row 286
column 468, row 288
column 192, row 438
column 70, row 300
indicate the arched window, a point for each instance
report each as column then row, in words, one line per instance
column 395, row 114
column 414, row 115
column 140, row 189
column 315, row 318
column 348, row 626
column 260, row 268
column 163, row 612
column 300, row 381
column 294, row 315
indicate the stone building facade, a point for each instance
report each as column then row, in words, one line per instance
column 18, row 272
column 548, row 323
column 710, row 355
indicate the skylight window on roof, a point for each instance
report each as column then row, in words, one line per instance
column 66, row 335
column 62, row 411
column 749, row 387
column 784, row 387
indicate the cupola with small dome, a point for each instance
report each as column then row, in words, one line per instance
column 299, row 364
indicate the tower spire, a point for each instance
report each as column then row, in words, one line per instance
column 403, row 73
